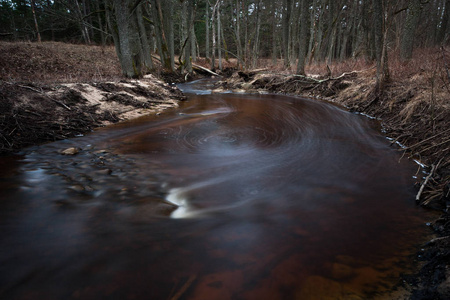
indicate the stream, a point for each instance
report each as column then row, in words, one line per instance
column 230, row 196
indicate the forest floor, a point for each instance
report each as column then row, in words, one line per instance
column 52, row 91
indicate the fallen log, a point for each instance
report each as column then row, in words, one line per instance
column 197, row 67
column 194, row 66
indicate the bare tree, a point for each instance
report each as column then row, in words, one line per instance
column 286, row 31
column 412, row 20
column 126, row 36
column 33, row 8
column 380, row 43
column 303, row 40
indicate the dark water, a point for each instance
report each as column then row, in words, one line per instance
column 279, row 198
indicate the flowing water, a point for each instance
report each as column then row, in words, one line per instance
column 228, row 197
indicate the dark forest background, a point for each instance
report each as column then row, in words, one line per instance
column 177, row 32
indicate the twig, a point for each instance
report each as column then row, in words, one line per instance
column 433, row 168
column 445, row 63
column 40, row 92
column 438, row 239
column 184, row 288
column 28, row 87
column 400, row 137
column 58, row 102
column 428, row 148
column 431, row 198
column 332, row 78
column 425, row 140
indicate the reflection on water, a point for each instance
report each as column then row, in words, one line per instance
column 228, row 197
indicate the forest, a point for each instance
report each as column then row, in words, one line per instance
column 177, row 32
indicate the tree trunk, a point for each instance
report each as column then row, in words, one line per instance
column 237, row 32
column 146, row 50
column 213, row 56
column 293, row 33
column 192, row 34
column 333, row 16
column 168, row 23
column 445, row 24
column 187, row 20
column 256, row 39
column 207, row 50
column 380, row 44
column 312, row 30
column 100, row 24
column 286, row 31
column 412, row 20
column 184, row 26
column 274, row 33
column 127, row 40
column 83, row 27
column 219, row 31
column 303, row 38
column 160, row 35
column 33, row 9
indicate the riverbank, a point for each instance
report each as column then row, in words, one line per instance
column 54, row 91
column 414, row 112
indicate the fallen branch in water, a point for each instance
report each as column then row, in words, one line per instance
column 438, row 239
column 194, row 66
column 422, row 187
column 184, row 288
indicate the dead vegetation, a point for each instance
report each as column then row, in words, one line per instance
column 51, row 91
column 53, row 62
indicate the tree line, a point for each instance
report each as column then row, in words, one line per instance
column 177, row 32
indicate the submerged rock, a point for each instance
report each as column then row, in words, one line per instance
column 70, row 151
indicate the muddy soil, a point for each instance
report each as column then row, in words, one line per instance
column 417, row 121
column 34, row 113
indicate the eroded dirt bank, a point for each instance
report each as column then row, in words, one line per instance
column 414, row 117
column 52, row 91
column 31, row 113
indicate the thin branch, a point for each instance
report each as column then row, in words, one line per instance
column 440, row 144
column 422, row 187
column 425, row 140
column 445, row 63
column 184, row 288
column 41, row 92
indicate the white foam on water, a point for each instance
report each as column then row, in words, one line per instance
column 178, row 197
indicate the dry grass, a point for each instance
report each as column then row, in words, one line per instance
column 425, row 81
column 52, row 62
